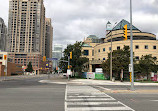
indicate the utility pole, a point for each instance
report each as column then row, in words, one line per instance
column 111, row 59
column 132, row 82
column 68, row 66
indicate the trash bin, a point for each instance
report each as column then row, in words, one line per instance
column 113, row 79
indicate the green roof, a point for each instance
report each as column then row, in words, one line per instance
column 86, row 45
column 122, row 23
column 93, row 37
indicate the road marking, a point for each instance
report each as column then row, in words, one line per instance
column 87, row 98
column 103, row 88
column 97, row 108
column 91, row 103
column 91, row 99
column 66, row 98
column 154, row 100
column 126, row 106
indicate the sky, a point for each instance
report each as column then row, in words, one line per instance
column 74, row 20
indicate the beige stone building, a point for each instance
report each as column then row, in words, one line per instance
column 144, row 43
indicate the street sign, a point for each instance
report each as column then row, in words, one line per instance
column 51, row 59
column 47, row 65
column 130, row 67
column 68, row 72
column 99, row 70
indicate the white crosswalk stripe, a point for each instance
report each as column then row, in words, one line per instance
column 87, row 98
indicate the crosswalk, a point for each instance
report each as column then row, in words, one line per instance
column 87, row 98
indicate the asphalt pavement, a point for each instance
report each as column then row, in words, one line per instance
column 30, row 95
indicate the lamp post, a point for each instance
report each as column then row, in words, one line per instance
column 110, row 28
column 132, row 82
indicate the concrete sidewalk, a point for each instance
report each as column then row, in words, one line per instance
column 6, row 78
column 63, row 80
column 108, row 82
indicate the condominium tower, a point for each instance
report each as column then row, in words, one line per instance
column 3, row 35
column 26, row 26
column 48, row 38
column 29, row 33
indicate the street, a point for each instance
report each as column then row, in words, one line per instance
column 59, row 94
column 31, row 95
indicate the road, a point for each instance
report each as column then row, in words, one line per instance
column 31, row 95
column 58, row 94
column 80, row 96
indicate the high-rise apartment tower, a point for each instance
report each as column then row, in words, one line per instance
column 3, row 35
column 26, row 26
column 48, row 38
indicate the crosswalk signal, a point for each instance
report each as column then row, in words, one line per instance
column 70, row 55
column 125, row 32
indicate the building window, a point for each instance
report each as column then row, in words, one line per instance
column 154, row 47
column 146, row 46
column 137, row 47
column 92, row 52
column 103, row 58
column 98, row 59
column 137, row 57
column 86, row 52
column 118, row 47
column 155, row 58
column 109, row 48
column 103, row 49
column 98, row 50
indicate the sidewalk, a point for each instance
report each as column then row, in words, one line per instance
column 108, row 82
column 6, row 78
column 64, row 80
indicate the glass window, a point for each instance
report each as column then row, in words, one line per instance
column 137, row 57
column 103, row 58
column 155, row 58
column 98, row 50
column 154, row 47
column 92, row 52
column 146, row 46
column 109, row 48
column 137, row 47
column 103, row 49
column 86, row 52
column 118, row 47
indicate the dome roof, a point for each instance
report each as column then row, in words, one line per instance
column 122, row 23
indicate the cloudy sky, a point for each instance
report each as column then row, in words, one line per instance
column 75, row 19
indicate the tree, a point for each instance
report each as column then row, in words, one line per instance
column 146, row 65
column 29, row 67
column 77, row 60
column 120, row 60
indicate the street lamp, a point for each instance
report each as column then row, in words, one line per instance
column 109, row 28
column 132, row 82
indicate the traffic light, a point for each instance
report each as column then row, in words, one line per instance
column 5, row 57
column 68, row 67
column 44, row 58
column 130, row 76
column 70, row 55
column 125, row 32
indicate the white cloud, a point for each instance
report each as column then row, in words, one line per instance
column 75, row 19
